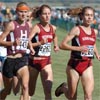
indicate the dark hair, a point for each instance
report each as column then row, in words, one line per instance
column 38, row 10
column 85, row 8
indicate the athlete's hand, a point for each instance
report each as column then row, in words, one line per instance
column 83, row 49
column 43, row 41
column 32, row 51
column 17, row 42
column 56, row 48
column 98, row 57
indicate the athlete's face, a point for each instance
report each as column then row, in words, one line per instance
column 22, row 14
column 45, row 15
column 88, row 16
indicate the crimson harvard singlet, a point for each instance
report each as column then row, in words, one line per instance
column 84, row 39
column 45, row 49
column 21, row 32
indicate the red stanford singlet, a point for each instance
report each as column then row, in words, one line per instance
column 45, row 49
column 84, row 39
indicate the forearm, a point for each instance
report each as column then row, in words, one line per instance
column 36, row 44
column 65, row 46
column 55, row 41
column 6, row 43
column 96, row 51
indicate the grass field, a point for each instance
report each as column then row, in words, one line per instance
column 59, row 61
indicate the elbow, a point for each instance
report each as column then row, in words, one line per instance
column 0, row 42
column 62, row 46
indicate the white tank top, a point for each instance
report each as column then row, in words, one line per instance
column 3, row 50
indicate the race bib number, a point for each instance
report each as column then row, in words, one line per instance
column 23, row 44
column 90, row 52
column 45, row 50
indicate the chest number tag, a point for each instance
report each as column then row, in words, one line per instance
column 45, row 50
column 90, row 52
column 24, row 44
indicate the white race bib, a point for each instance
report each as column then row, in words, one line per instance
column 90, row 52
column 23, row 44
column 45, row 50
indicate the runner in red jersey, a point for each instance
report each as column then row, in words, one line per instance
column 83, row 48
column 16, row 64
column 80, row 61
column 44, row 50
column 43, row 34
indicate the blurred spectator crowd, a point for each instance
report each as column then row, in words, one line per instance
column 6, row 13
column 60, row 17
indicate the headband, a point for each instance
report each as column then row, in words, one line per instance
column 21, row 8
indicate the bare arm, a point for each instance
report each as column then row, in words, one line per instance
column 5, row 33
column 65, row 42
column 35, row 29
column 95, row 48
column 55, row 40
